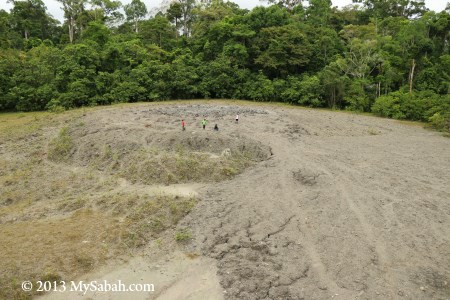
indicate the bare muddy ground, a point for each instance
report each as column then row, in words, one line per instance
column 344, row 206
column 348, row 206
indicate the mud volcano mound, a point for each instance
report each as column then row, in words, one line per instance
column 153, row 155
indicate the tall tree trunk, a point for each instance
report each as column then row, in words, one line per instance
column 176, row 28
column 71, row 24
column 411, row 76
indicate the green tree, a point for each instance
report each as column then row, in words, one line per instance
column 258, row 87
column 282, row 50
column 106, row 11
column 174, row 14
column 263, row 17
column 33, row 80
column 289, row 4
column 395, row 8
column 319, row 12
column 219, row 78
column 304, row 90
column 5, row 37
column 96, row 32
column 73, row 12
column 29, row 18
column 158, row 31
column 75, row 75
column 135, row 11
column 334, row 84
column 9, row 65
column 187, row 15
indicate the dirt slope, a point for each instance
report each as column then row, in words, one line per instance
column 348, row 206
column 344, row 207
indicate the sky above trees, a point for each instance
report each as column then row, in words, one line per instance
column 54, row 8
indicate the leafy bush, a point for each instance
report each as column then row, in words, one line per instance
column 421, row 106
column 440, row 122
column 127, row 92
column 357, row 97
column 259, row 88
column 389, row 106
column 303, row 90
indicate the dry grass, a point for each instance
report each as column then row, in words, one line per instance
column 59, row 148
column 373, row 131
column 65, row 245
column 58, row 247
column 60, row 219
column 183, row 236
column 60, row 222
column 18, row 125
column 154, row 215
column 168, row 167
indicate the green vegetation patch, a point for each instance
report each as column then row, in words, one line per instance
column 180, row 167
column 154, row 215
column 60, row 147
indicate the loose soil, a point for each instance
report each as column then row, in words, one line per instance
column 299, row 203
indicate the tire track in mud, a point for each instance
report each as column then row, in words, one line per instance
column 383, row 258
column 297, row 226
column 288, row 158
column 288, row 193
column 375, row 244
column 292, row 230
column 325, row 279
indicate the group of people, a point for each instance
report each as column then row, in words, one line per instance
column 204, row 122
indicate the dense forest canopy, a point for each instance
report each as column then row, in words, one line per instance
column 390, row 57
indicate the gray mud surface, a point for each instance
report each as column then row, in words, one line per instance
column 336, row 211
column 336, row 206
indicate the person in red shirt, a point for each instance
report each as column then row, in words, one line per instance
column 183, row 124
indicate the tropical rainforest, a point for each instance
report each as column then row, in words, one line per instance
column 387, row 57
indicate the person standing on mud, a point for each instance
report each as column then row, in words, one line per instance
column 204, row 123
column 237, row 118
column 183, row 125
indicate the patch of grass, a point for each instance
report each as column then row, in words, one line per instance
column 51, row 276
column 159, row 243
column 181, row 167
column 84, row 261
column 183, row 236
column 53, row 249
column 192, row 255
column 373, row 131
column 57, row 109
column 25, row 185
column 60, row 147
column 17, row 126
column 153, row 216
column 229, row 171
column 180, row 149
column 73, row 204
